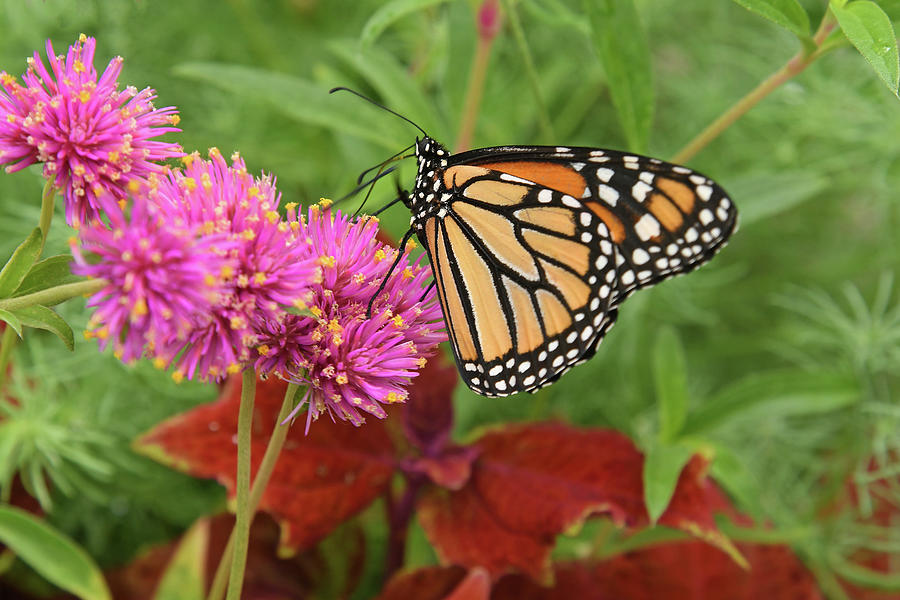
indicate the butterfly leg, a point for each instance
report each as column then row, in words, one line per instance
column 387, row 275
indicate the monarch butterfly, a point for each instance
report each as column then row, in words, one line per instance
column 533, row 248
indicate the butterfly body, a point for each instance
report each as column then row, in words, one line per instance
column 533, row 248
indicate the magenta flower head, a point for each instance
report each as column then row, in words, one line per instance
column 270, row 266
column 160, row 277
column 351, row 362
column 92, row 137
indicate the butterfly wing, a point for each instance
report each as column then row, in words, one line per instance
column 539, row 245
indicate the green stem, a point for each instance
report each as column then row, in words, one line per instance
column 47, row 202
column 544, row 119
column 473, row 94
column 263, row 474
column 793, row 67
column 54, row 295
column 7, row 343
column 241, row 531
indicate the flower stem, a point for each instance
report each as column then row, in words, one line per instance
column 488, row 26
column 263, row 474
column 241, row 531
column 54, row 295
column 7, row 343
column 399, row 514
column 47, row 202
column 794, row 66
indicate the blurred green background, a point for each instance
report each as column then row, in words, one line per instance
column 789, row 339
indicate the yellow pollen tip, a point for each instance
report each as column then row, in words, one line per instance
column 102, row 333
column 248, row 234
column 227, row 272
column 263, row 350
column 398, row 321
column 159, row 363
column 291, row 205
column 79, row 66
column 421, row 362
column 190, row 183
column 326, row 261
column 133, row 186
column 82, row 38
column 174, row 120
column 84, row 96
column 325, row 202
column 407, row 273
column 337, row 340
column 341, row 379
column 253, row 192
column 272, row 216
column 380, row 255
column 139, row 309
column 178, row 376
column 259, row 278
column 411, row 244
column 393, row 398
column 233, row 368
column 316, row 311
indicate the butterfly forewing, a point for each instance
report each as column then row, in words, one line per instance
column 533, row 248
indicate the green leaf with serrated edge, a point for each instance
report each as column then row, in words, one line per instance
column 388, row 14
column 774, row 394
column 663, row 464
column 47, row 273
column 56, row 557
column 869, row 29
column 184, row 578
column 623, row 50
column 670, row 379
column 20, row 263
column 41, row 317
column 786, row 13
column 11, row 320
column 302, row 101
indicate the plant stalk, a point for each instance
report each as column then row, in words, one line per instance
column 54, row 295
column 263, row 474
column 241, row 531
column 48, row 198
column 399, row 514
column 793, row 67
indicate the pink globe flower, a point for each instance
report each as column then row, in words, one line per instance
column 352, row 362
column 271, row 266
column 160, row 277
column 92, row 137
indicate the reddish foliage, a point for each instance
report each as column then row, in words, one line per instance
column 678, row 571
column 438, row 583
column 428, row 413
column 267, row 576
column 320, row 480
column 532, row 482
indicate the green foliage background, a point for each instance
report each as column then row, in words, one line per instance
column 786, row 347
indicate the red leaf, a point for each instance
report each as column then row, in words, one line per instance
column 438, row 583
column 678, row 571
column 428, row 414
column 532, row 482
column 321, row 479
column 267, row 576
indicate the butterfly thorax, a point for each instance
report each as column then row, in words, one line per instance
column 429, row 196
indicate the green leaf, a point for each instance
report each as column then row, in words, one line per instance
column 385, row 16
column 20, row 262
column 300, row 100
column 184, row 578
column 53, row 555
column 869, row 29
column 41, row 317
column 394, row 84
column 786, row 13
column 775, row 394
column 730, row 471
column 11, row 320
column 47, row 273
column 764, row 195
column 670, row 379
column 663, row 464
column 621, row 44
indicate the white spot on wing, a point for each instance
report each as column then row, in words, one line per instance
column 647, row 227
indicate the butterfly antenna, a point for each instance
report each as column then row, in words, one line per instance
column 381, row 106
column 363, row 186
column 385, row 162
column 400, row 254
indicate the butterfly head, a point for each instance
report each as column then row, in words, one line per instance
column 431, row 158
